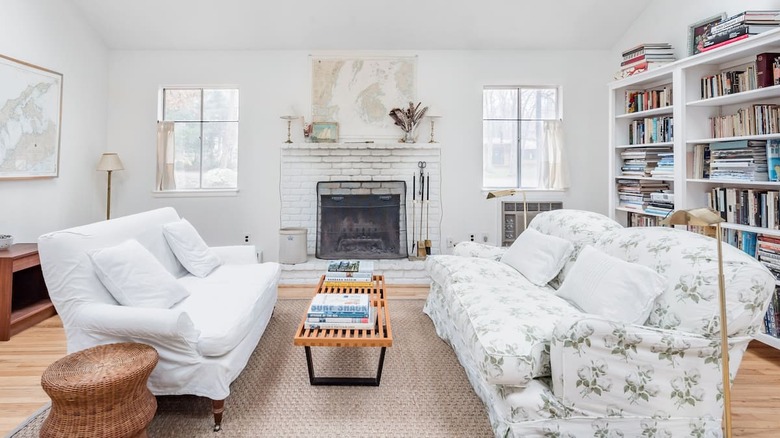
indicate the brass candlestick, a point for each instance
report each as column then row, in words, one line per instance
column 289, row 124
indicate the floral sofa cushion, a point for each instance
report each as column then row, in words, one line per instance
column 506, row 321
column 578, row 227
column 689, row 263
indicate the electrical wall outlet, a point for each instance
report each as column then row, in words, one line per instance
column 471, row 237
column 246, row 238
column 450, row 242
column 483, row 237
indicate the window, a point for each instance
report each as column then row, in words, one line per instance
column 514, row 135
column 205, row 137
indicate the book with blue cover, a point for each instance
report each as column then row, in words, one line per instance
column 773, row 158
column 339, row 306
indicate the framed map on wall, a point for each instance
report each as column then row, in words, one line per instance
column 30, row 117
column 359, row 92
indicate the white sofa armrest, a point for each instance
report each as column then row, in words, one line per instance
column 607, row 368
column 163, row 328
column 476, row 249
column 236, row 254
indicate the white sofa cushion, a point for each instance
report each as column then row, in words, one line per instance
column 224, row 305
column 134, row 277
column 603, row 285
column 190, row 249
column 537, row 256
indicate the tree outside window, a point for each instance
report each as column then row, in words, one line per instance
column 513, row 133
column 205, row 136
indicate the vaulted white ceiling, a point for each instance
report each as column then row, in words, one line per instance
column 360, row 24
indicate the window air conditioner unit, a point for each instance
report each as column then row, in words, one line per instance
column 512, row 217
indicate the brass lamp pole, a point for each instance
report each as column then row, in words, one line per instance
column 708, row 217
column 109, row 162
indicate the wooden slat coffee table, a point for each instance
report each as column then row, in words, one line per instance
column 380, row 336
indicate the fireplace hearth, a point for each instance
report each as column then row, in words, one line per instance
column 361, row 219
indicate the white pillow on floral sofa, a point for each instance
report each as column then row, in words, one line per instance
column 539, row 257
column 601, row 284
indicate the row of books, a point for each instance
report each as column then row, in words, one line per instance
column 355, row 273
column 761, row 73
column 643, row 100
column 644, row 57
column 341, row 311
column 755, row 208
column 640, row 220
column 700, row 159
column 651, row 130
column 743, row 160
column 739, row 27
column 772, row 316
column 757, row 119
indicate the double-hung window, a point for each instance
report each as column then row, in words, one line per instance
column 517, row 123
column 204, row 150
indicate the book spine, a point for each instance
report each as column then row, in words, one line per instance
column 337, row 315
column 339, row 326
column 725, row 43
column 365, row 276
column 765, row 69
column 336, row 320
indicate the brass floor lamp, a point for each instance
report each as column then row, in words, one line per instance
column 707, row 217
column 109, row 162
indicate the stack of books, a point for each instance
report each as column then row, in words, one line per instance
column 661, row 203
column 645, row 57
column 637, row 194
column 341, row 311
column 643, row 161
column 740, row 27
column 665, row 166
column 350, row 273
column 739, row 160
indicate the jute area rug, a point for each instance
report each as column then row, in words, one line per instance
column 424, row 391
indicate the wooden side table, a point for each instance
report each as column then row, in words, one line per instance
column 24, row 299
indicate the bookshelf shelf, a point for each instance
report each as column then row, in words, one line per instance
column 735, row 182
column 742, row 137
column 743, row 97
column 646, row 113
column 692, row 125
column 631, row 210
column 642, row 178
column 644, row 145
column 758, row 230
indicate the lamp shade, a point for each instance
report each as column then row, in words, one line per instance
column 697, row 216
column 500, row 193
column 110, row 161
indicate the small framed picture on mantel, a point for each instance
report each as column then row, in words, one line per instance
column 325, row 132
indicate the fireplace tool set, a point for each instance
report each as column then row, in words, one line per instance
column 423, row 197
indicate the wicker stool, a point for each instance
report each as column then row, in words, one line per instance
column 100, row 392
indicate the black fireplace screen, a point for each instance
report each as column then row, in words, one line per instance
column 361, row 220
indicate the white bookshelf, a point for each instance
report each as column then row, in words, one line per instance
column 691, row 116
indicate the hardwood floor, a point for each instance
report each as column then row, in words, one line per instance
column 755, row 404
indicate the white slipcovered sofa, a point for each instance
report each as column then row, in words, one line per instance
column 204, row 341
column 544, row 368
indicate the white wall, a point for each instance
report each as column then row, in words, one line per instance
column 53, row 34
column 272, row 82
column 668, row 20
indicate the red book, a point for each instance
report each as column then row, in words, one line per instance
column 725, row 43
column 764, row 69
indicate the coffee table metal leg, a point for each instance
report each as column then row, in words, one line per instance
column 344, row 381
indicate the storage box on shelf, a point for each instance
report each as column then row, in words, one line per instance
column 707, row 87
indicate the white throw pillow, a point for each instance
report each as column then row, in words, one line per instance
column 539, row 257
column 601, row 284
column 135, row 277
column 190, row 249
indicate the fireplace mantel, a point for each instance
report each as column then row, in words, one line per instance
column 363, row 145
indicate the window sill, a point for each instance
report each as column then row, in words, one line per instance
column 519, row 191
column 207, row 193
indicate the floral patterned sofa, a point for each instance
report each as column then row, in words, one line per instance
column 544, row 368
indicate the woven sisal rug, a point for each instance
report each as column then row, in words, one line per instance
column 424, row 391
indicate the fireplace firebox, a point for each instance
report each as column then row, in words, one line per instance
column 361, row 220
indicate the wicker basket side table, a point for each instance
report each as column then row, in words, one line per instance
column 101, row 392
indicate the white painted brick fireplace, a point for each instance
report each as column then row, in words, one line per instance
column 305, row 164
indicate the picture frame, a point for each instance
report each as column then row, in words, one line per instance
column 698, row 31
column 32, row 143
column 324, row 132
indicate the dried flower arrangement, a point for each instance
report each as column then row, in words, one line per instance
column 408, row 119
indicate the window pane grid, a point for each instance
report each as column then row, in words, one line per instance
column 206, row 136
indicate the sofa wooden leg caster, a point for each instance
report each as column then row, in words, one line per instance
column 218, row 406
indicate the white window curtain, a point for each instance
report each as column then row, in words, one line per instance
column 165, row 157
column 553, row 167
